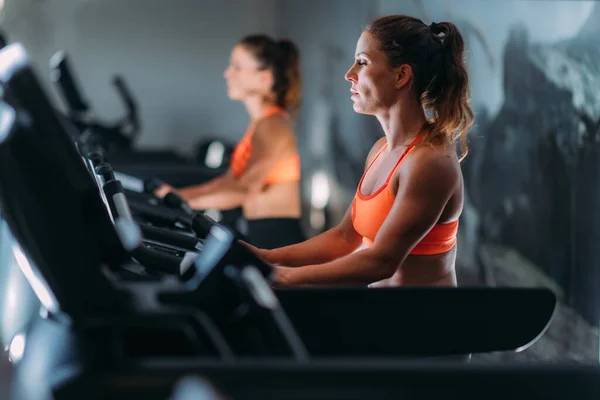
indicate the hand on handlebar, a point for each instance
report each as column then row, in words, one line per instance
column 163, row 189
column 262, row 253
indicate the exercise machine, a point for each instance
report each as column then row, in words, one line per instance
column 118, row 138
column 107, row 336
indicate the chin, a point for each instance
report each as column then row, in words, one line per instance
column 359, row 109
column 233, row 95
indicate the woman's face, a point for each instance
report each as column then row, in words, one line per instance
column 244, row 75
column 374, row 82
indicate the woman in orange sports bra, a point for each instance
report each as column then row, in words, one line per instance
column 401, row 226
column 264, row 175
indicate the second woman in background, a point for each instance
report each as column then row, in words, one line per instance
column 264, row 176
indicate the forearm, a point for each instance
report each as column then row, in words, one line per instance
column 359, row 268
column 220, row 199
column 320, row 249
column 191, row 192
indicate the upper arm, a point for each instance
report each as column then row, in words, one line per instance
column 272, row 138
column 425, row 186
column 346, row 228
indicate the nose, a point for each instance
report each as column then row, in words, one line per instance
column 350, row 75
column 227, row 72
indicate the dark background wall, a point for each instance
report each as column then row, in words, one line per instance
column 532, row 175
column 172, row 53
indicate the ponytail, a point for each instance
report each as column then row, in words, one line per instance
column 448, row 93
column 289, row 89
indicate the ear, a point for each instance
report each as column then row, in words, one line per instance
column 266, row 78
column 404, row 75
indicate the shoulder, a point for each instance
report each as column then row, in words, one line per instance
column 431, row 165
column 274, row 134
column 375, row 149
column 275, row 123
column 274, row 126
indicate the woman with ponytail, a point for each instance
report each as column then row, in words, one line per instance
column 401, row 226
column 264, row 176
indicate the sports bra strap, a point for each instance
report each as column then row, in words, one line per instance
column 376, row 156
column 274, row 110
column 408, row 149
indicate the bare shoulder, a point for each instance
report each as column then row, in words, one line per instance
column 274, row 135
column 433, row 163
column 274, row 127
column 375, row 149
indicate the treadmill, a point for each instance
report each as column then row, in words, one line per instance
column 140, row 174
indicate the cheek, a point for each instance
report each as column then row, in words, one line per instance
column 237, row 81
column 258, row 83
column 244, row 80
column 379, row 86
column 368, row 84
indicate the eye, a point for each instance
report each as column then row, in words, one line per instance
column 361, row 62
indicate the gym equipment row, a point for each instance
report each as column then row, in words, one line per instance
column 118, row 138
column 139, row 306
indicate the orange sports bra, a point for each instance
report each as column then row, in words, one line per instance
column 284, row 171
column 369, row 213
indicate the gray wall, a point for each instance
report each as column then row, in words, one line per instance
column 326, row 33
column 172, row 54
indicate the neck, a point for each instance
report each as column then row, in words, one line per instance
column 401, row 123
column 257, row 106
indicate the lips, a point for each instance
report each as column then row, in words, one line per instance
column 353, row 91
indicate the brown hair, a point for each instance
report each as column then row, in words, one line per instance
column 435, row 54
column 283, row 59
